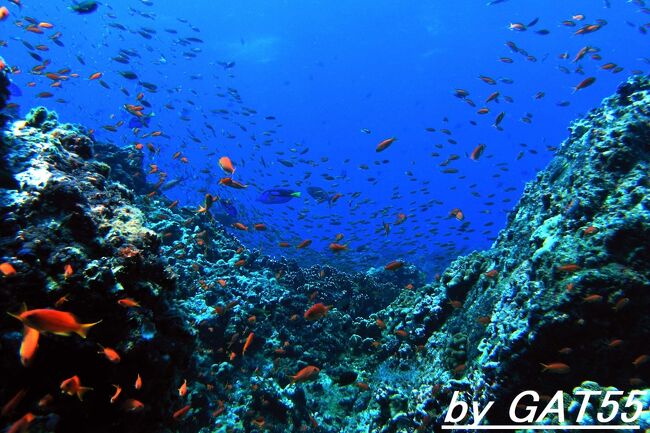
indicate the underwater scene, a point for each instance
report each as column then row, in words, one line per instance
column 312, row 216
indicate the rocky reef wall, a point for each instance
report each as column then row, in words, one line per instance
column 182, row 301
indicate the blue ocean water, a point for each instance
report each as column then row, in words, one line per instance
column 299, row 95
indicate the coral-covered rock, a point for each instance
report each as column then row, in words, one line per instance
column 78, row 243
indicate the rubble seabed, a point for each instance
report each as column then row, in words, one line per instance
column 566, row 283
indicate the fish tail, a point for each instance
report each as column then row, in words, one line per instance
column 544, row 367
column 84, row 328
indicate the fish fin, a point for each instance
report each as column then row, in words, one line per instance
column 64, row 334
column 23, row 308
column 15, row 316
column 85, row 327
column 82, row 390
column 295, row 194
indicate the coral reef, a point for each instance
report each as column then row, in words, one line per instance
column 77, row 241
column 565, row 285
column 4, row 92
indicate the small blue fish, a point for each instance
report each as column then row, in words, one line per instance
column 277, row 196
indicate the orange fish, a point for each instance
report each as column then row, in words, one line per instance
column 249, row 340
column 138, row 382
column 556, row 368
column 304, row 244
column 7, row 269
column 226, row 165
column 640, row 360
column 118, row 391
column 337, row 248
column 284, row 244
column 477, row 152
column 363, row 386
column 459, row 368
column 589, row 28
column 181, row 412
column 182, row 391
column 572, row 267
column 259, row 227
column 132, row 405
column 401, row 333
column 457, row 213
column 620, row 304
column 231, row 183
column 259, row 422
column 385, row 143
column 128, row 302
column 584, row 83
column 394, row 265
column 45, row 25
column 10, row 406
column 22, row 424
column 72, row 386
column 592, row 299
column 68, row 271
column 53, row 321
column 32, row 28
column 316, row 311
column 29, row 345
column 4, row 13
column 492, row 273
column 110, row 354
column 95, row 76
column 615, row 343
column 492, row 97
column 307, row 373
column 45, row 401
column 240, row 226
